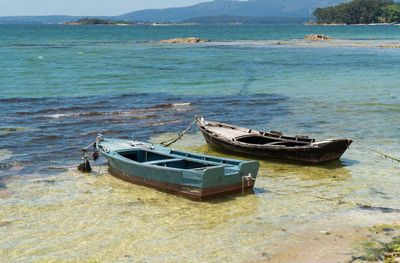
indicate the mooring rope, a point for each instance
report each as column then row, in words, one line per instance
column 99, row 166
column 171, row 141
column 356, row 204
column 376, row 151
column 98, row 138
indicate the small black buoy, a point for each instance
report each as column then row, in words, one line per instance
column 85, row 167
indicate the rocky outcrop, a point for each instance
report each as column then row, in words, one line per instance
column 317, row 37
column 184, row 40
column 389, row 46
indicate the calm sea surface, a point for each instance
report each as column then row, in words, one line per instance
column 61, row 85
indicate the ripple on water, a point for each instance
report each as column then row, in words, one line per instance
column 5, row 154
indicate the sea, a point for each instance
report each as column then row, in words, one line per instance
column 61, row 85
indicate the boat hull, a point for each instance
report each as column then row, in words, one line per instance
column 183, row 190
column 331, row 150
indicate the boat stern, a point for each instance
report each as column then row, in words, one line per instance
column 223, row 180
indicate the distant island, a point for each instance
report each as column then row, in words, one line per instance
column 97, row 21
column 360, row 12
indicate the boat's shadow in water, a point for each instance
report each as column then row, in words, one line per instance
column 233, row 196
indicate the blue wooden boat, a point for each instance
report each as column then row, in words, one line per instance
column 192, row 175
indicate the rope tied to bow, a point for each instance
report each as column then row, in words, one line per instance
column 180, row 135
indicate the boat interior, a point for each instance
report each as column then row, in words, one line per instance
column 186, row 162
column 142, row 156
column 261, row 140
column 205, row 158
column 256, row 137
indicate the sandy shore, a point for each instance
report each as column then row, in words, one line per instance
column 316, row 246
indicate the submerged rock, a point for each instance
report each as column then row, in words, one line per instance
column 5, row 223
column 184, row 40
column 317, row 37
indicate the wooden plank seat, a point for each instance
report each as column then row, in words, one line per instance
column 163, row 161
column 205, row 167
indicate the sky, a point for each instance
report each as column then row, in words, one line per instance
column 85, row 7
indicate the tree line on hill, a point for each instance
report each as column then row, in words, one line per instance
column 360, row 12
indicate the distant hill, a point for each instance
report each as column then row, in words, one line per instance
column 250, row 8
column 230, row 8
column 244, row 20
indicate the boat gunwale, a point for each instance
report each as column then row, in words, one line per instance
column 155, row 166
column 212, row 165
column 130, row 147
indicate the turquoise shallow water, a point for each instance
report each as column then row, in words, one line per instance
column 63, row 60
column 61, row 85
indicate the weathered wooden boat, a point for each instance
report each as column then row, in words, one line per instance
column 192, row 175
column 272, row 144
